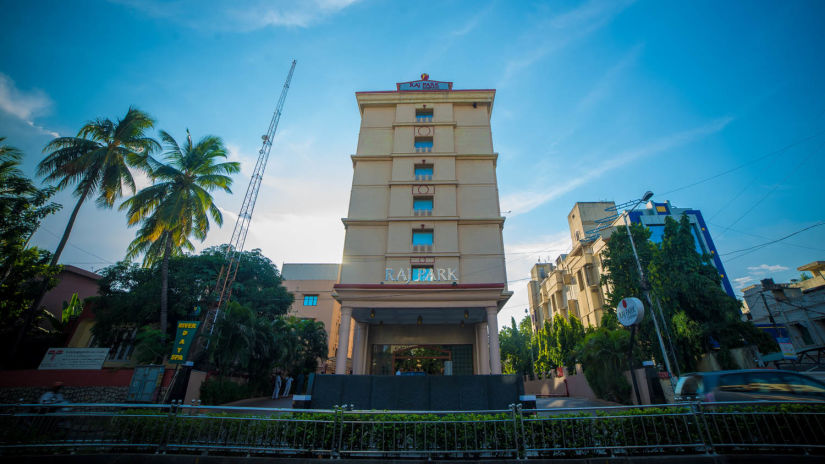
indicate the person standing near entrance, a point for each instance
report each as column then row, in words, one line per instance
column 276, row 392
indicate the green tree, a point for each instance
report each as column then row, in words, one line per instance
column 98, row 160
column 514, row 346
column 25, row 271
column 702, row 315
column 603, row 354
column 178, row 204
column 129, row 293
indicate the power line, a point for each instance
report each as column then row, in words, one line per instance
column 747, row 163
column 761, row 245
column 104, row 260
column 766, row 238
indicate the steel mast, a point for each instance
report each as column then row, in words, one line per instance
column 232, row 258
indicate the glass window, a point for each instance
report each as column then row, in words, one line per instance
column 424, row 171
column 690, row 386
column 805, row 333
column 424, row 115
column 423, row 204
column 422, row 274
column 422, row 237
column 310, row 300
column 657, row 233
column 423, row 144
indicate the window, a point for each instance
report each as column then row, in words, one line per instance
column 424, row 115
column 581, row 280
column 423, row 206
column 423, row 172
column 310, row 300
column 803, row 331
column 423, row 144
column 422, row 238
column 422, row 274
column 122, row 344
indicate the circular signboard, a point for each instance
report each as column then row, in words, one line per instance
column 630, row 311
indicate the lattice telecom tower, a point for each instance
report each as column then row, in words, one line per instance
column 229, row 270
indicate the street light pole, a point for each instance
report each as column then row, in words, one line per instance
column 644, row 286
column 532, row 332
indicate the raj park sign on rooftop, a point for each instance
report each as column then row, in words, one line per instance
column 424, row 84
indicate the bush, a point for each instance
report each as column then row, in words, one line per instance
column 219, row 390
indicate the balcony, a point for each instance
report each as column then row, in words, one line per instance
column 424, row 149
column 425, row 177
column 422, row 248
column 422, row 212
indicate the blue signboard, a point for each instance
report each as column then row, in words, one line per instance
column 425, row 84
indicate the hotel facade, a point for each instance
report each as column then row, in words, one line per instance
column 422, row 275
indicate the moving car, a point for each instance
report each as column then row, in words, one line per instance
column 749, row 385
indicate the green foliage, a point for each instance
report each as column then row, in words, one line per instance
column 25, row 271
column 150, row 346
column 217, row 390
column 699, row 315
column 603, row 355
column 245, row 343
column 129, row 293
column 515, row 343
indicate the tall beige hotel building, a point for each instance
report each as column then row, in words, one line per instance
column 422, row 277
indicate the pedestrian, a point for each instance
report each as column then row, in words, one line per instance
column 277, row 390
column 288, row 385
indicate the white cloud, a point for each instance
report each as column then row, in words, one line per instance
column 743, row 282
column 765, row 268
column 24, row 105
column 527, row 200
column 240, row 15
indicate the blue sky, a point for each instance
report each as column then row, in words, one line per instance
column 595, row 101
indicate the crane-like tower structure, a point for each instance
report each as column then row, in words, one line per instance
column 229, row 270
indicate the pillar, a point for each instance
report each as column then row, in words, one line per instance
column 358, row 348
column 492, row 329
column 483, row 349
column 343, row 341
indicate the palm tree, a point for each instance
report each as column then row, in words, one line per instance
column 178, row 205
column 98, row 161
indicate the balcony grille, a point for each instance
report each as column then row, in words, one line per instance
column 424, row 177
column 422, row 248
column 423, row 149
column 423, row 212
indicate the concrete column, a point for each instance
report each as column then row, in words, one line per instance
column 492, row 329
column 343, row 341
column 357, row 347
column 483, row 349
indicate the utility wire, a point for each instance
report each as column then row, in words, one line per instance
column 761, row 245
column 747, row 163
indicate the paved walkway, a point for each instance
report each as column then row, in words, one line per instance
column 565, row 402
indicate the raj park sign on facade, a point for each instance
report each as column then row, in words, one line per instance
column 421, row 275
column 424, row 84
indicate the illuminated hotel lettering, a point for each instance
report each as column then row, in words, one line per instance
column 429, row 275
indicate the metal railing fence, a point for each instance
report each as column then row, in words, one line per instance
column 686, row 428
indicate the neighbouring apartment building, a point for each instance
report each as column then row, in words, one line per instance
column 422, row 276
column 311, row 284
column 571, row 285
column 792, row 311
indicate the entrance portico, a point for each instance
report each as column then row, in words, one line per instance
column 453, row 318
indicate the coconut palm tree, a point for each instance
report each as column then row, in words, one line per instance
column 98, row 160
column 178, row 205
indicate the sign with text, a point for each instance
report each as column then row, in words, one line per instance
column 424, row 85
column 74, row 358
column 183, row 340
column 630, row 311
column 421, row 274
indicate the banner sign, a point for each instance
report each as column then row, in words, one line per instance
column 183, row 340
column 424, row 84
column 74, row 358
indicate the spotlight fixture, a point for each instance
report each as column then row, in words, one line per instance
column 420, row 320
column 466, row 314
column 372, row 314
column 461, row 324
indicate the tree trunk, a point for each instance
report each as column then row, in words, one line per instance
column 164, row 285
column 65, row 238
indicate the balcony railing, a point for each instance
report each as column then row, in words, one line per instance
column 422, row 248
column 423, row 149
column 422, row 212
